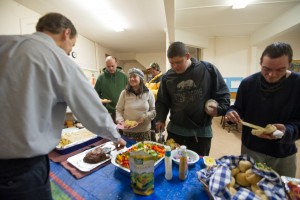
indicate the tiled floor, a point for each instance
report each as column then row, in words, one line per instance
column 225, row 143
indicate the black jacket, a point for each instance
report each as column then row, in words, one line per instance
column 185, row 95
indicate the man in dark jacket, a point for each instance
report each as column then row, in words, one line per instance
column 184, row 91
column 271, row 96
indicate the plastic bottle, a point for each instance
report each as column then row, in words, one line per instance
column 168, row 163
column 183, row 165
column 93, row 80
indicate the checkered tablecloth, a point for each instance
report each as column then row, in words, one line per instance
column 218, row 177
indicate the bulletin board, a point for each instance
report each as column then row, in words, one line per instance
column 295, row 66
column 233, row 83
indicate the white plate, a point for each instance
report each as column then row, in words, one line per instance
column 77, row 160
column 122, row 126
column 114, row 155
column 193, row 157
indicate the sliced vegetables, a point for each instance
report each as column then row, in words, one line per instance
column 157, row 151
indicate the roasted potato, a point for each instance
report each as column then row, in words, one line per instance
column 235, row 171
column 244, row 165
column 241, row 180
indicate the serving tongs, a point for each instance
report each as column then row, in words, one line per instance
column 251, row 125
column 161, row 138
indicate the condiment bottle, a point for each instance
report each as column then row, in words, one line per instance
column 93, row 80
column 168, row 163
column 183, row 165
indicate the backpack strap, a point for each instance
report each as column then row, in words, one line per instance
column 213, row 75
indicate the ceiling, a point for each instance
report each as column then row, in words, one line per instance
column 147, row 20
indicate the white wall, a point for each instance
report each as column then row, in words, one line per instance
column 235, row 57
column 11, row 16
column 147, row 58
column 17, row 19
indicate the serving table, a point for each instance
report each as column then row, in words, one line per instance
column 109, row 182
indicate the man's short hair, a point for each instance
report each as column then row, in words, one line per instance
column 177, row 49
column 278, row 49
column 55, row 23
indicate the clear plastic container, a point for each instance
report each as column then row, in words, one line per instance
column 183, row 164
column 168, row 163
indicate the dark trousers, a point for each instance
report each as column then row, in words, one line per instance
column 26, row 179
column 202, row 147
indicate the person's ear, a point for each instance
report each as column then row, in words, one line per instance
column 66, row 33
column 188, row 56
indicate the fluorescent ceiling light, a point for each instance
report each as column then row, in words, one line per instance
column 105, row 14
column 238, row 4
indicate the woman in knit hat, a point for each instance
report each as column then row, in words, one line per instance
column 136, row 103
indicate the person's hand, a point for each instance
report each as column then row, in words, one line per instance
column 160, row 126
column 211, row 108
column 232, row 116
column 141, row 120
column 120, row 121
column 269, row 136
column 120, row 143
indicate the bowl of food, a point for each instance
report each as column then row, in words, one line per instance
column 192, row 156
column 121, row 158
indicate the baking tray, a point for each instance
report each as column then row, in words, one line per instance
column 78, row 144
column 127, row 171
column 77, row 160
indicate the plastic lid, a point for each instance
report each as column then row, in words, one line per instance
column 183, row 147
column 167, row 148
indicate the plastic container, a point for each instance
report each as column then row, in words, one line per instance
column 183, row 164
column 168, row 163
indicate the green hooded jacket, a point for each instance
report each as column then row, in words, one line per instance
column 109, row 86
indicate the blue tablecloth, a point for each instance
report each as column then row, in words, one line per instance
column 110, row 182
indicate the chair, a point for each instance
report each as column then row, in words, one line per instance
column 229, row 125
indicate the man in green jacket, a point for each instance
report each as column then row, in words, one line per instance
column 110, row 84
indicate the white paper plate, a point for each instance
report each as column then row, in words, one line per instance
column 77, row 160
column 193, row 157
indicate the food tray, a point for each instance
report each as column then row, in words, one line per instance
column 77, row 160
column 78, row 144
column 127, row 171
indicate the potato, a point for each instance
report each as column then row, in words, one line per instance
column 249, row 172
column 270, row 129
column 259, row 192
column 232, row 182
column 244, row 165
column 232, row 190
column 253, row 178
column 263, row 197
column 235, row 171
column 254, row 187
column 241, row 179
